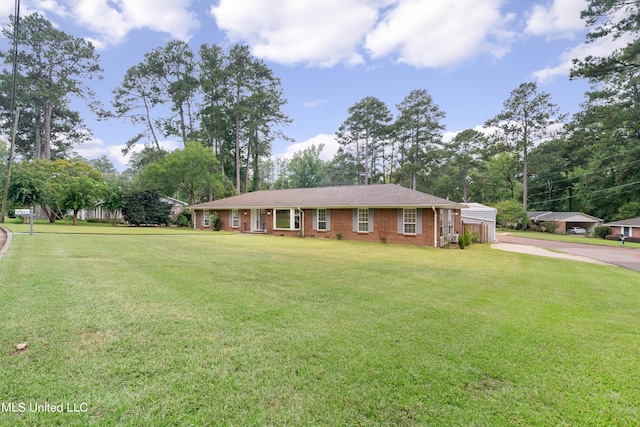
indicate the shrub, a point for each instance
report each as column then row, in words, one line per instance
column 602, row 231
column 216, row 221
column 461, row 242
column 549, row 226
column 184, row 218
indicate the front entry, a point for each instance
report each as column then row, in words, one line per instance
column 258, row 220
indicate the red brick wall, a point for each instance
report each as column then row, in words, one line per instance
column 341, row 222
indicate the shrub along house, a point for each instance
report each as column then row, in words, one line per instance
column 373, row 213
column 627, row 227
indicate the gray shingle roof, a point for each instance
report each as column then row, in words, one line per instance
column 380, row 196
column 633, row 222
column 557, row 216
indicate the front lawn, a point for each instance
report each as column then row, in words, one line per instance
column 215, row 329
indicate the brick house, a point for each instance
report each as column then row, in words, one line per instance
column 627, row 227
column 564, row 220
column 373, row 213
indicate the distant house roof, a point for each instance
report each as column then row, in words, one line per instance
column 174, row 201
column 561, row 216
column 633, row 222
column 353, row 196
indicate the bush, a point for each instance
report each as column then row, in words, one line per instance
column 602, row 231
column 626, row 239
column 184, row 218
column 216, row 221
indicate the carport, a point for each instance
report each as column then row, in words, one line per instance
column 566, row 220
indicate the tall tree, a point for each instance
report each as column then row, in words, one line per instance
column 135, row 100
column 528, row 118
column 172, row 68
column 464, row 151
column 363, row 133
column 53, row 67
column 419, row 129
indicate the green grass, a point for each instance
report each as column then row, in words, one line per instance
column 568, row 238
column 260, row 330
column 67, row 227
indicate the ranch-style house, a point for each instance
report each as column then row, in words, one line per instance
column 373, row 213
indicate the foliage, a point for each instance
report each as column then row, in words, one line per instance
column 527, row 118
column 601, row 231
column 146, row 208
column 216, row 222
column 184, row 218
column 79, row 192
column 510, row 213
column 304, row 170
column 418, row 131
column 112, row 201
column 549, row 226
column 192, row 171
column 628, row 210
column 55, row 185
column 53, row 68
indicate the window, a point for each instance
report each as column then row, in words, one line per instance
column 363, row 220
column 206, row 218
column 235, row 218
column 410, row 217
column 287, row 219
column 322, row 219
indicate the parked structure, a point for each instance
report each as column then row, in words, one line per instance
column 481, row 219
column 564, row 220
column 625, row 227
column 374, row 213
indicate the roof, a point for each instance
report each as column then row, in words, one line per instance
column 478, row 207
column 632, row 222
column 558, row 216
column 352, row 196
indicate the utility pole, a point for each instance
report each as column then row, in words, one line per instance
column 14, row 110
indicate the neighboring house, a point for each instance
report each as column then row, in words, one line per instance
column 177, row 206
column 627, row 227
column 98, row 211
column 482, row 219
column 373, row 213
column 565, row 220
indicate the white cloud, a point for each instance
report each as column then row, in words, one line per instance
column 600, row 48
column 91, row 149
column 293, row 31
column 418, row 32
column 114, row 20
column 441, row 34
column 121, row 161
column 559, row 19
column 314, row 103
column 328, row 152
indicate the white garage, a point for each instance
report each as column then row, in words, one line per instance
column 482, row 216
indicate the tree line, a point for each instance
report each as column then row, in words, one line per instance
column 226, row 108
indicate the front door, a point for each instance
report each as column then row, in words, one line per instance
column 258, row 220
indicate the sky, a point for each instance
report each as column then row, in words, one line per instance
column 330, row 54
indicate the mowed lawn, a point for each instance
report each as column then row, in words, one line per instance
column 263, row 330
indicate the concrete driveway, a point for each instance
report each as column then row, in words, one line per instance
column 620, row 256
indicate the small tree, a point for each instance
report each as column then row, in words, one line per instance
column 79, row 192
column 510, row 212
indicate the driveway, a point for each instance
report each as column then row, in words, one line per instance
column 620, row 256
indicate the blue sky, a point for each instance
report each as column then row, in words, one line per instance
column 329, row 54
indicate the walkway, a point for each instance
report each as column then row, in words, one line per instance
column 621, row 256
